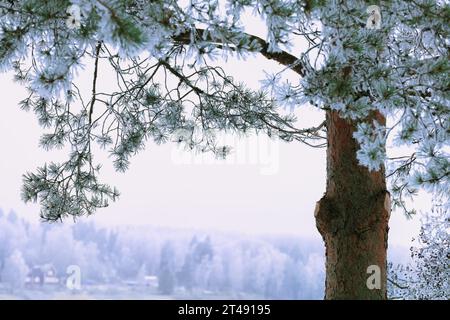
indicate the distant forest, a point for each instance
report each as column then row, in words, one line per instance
column 235, row 265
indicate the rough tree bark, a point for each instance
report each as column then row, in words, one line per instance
column 352, row 216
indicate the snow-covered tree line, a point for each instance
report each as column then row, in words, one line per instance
column 271, row 267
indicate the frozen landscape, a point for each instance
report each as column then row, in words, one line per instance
column 153, row 263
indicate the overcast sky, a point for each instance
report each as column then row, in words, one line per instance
column 265, row 187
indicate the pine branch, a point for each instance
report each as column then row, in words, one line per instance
column 94, row 81
column 282, row 57
column 396, row 284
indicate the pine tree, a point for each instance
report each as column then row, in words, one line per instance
column 360, row 74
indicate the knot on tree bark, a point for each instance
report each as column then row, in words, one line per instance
column 336, row 215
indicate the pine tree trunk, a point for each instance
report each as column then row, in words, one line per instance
column 352, row 217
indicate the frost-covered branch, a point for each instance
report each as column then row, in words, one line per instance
column 94, row 81
column 256, row 44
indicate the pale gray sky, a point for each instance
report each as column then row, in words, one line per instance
column 265, row 187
